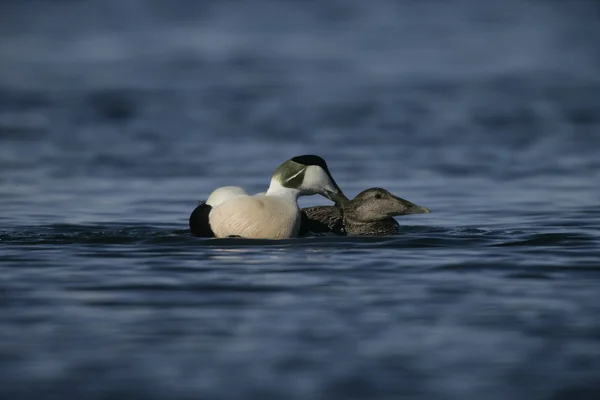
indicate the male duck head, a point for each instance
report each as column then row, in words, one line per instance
column 377, row 204
column 307, row 175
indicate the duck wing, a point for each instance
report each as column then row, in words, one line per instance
column 322, row 219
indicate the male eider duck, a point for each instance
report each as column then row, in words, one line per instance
column 368, row 214
column 274, row 214
column 198, row 222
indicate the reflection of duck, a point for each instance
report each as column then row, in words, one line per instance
column 273, row 215
column 368, row 214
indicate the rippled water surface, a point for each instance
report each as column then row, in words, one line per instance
column 117, row 117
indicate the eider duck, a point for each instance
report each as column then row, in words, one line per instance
column 274, row 214
column 370, row 213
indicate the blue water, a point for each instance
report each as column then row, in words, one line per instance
column 116, row 117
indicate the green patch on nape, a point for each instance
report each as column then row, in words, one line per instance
column 295, row 181
column 290, row 174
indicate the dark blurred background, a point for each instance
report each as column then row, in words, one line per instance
column 186, row 96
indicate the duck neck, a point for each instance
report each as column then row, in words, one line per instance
column 276, row 189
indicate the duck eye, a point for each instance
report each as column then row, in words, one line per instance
column 378, row 196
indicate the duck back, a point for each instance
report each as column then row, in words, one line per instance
column 322, row 219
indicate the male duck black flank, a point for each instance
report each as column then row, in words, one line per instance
column 370, row 213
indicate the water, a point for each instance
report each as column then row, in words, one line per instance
column 116, row 117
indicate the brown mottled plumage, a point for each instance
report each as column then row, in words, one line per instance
column 370, row 213
column 322, row 219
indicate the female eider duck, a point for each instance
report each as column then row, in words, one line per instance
column 370, row 213
column 274, row 214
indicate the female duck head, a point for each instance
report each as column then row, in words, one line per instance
column 308, row 175
column 377, row 204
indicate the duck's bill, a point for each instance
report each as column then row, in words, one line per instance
column 332, row 191
column 411, row 208
column 337, row 197
column 420, row 210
